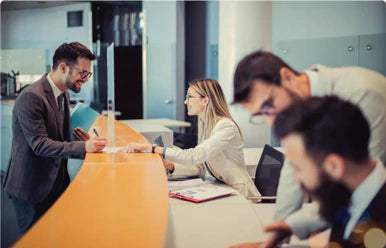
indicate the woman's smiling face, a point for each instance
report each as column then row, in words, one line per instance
column 194, row 102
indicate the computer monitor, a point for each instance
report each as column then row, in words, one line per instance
column 159, row 141
column 268, row 171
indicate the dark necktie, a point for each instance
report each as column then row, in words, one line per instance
column 343, row 218
column 63, row 167
column 61, row 107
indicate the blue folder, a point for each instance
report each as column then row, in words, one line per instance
column 82, row 116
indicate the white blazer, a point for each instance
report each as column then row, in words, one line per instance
column 223, row 152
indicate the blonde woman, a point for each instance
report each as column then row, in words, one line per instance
column 220, row 147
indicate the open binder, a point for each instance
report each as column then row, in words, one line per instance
column 202, row 193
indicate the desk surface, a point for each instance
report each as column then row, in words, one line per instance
column 116, row 201
column 217, row 223
column 159, row 121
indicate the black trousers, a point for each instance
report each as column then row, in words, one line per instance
column 27, row 213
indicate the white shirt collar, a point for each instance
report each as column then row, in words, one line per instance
column 55, row 88
column 321, row 81
column 364, row 194
column 315, row 87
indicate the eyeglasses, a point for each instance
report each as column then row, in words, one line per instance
column 187, row 97
column 265, row 110
column 83, row 74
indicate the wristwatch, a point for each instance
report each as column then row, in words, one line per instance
column 153, row 148
column 169, row 172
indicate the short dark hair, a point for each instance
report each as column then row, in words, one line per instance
column 259, row 65
column 327, row 125
column 69, row 53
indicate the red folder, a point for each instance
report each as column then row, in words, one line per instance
column 202, row 193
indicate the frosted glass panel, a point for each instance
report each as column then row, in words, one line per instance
column 6, row 134
column 160, row 85
column 110, row 95
column 26, row 61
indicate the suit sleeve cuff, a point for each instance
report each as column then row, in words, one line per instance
column 78, row 149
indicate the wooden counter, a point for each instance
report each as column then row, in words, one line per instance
column 109, row 204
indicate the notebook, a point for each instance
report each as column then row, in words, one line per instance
column 202, row 193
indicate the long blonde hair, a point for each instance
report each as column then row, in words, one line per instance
column 216, row 109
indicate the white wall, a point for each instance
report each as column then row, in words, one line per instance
column 243, row 27
column 46, row 28
column 314, row 19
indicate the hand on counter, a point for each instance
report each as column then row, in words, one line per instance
column 278, row 231
column 137, row 147
column 95, row 144
column 168, row 165
column 80, row 134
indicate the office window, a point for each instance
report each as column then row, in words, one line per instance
column 75, row 18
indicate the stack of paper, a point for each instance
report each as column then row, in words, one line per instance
column 183, row 184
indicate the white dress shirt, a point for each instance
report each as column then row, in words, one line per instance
column 364, row 194
column 224, row 155
column 55, row 89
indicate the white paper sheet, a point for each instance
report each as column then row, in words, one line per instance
column 183, row 184
column 113, row 149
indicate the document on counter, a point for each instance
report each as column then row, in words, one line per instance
column 183, row 184
column 113, row 149
column 202, row 193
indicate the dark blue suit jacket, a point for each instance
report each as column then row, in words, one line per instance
column 373, row 217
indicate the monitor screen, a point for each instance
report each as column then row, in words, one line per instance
column 268, row 171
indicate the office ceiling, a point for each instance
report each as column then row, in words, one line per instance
column 16, row 5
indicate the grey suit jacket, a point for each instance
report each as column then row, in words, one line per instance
column 39, row 144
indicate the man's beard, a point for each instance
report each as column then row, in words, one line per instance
column 333, row 197
column 72, row 85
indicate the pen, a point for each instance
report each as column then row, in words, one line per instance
column 96, row 132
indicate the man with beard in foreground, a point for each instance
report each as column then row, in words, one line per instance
column 37, row 170
column 326, row 141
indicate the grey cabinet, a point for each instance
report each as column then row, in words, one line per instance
column 372, row 52
column 365, row 50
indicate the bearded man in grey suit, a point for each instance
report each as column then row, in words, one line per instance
column 265, row 85
column 37, row 170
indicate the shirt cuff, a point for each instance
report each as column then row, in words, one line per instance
column 306, row 221
column 164, row 152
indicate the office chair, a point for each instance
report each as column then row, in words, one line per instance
column 268, row 173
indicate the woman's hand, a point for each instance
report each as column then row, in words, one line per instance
column 168, row 165
column 137, row 147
